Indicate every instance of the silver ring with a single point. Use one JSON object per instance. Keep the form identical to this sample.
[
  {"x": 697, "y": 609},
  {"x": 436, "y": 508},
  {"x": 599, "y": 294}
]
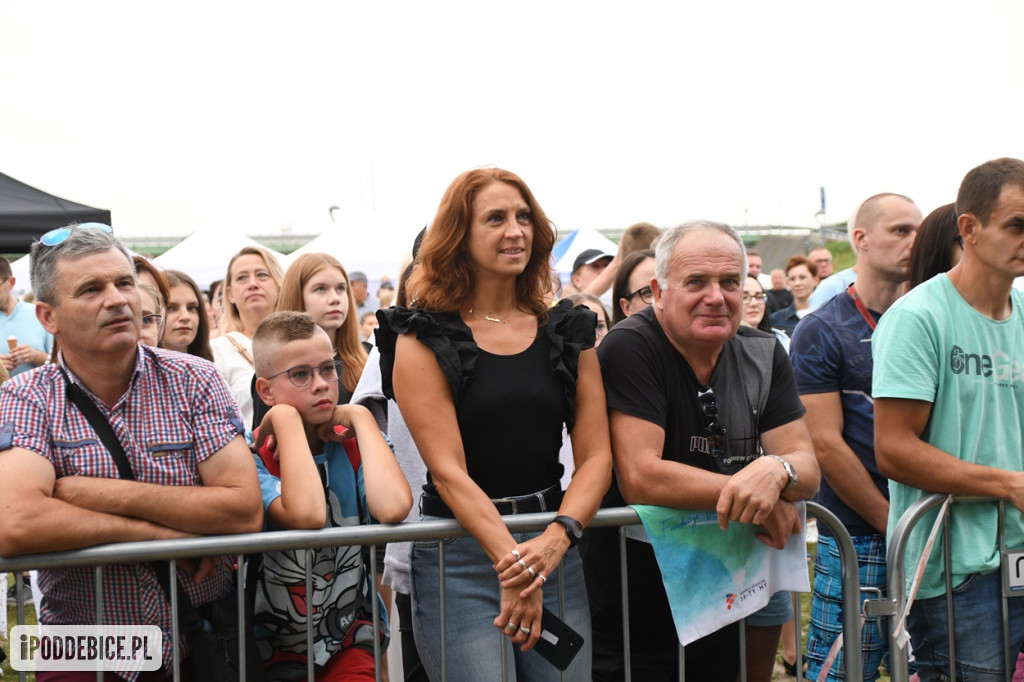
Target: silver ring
[
  {"x": 515, "y": 553},
  {"x": 525, "y": 631},
  {"x": 523, "y": 564},
  {"x": 543, "y": 578},
  {"x": 511, "y": 625},
  {"x": 533, "y": 574}
]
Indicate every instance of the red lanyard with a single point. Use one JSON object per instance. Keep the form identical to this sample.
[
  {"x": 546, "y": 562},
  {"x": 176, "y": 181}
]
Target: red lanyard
[{"x": 861, "y": 307}]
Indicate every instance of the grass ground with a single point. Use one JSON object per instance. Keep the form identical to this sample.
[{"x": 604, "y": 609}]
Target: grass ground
[{"x": 12, "y": 620}]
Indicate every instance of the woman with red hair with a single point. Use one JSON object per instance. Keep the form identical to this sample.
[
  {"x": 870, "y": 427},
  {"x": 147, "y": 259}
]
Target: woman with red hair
[{"x": 485, "y": 376}]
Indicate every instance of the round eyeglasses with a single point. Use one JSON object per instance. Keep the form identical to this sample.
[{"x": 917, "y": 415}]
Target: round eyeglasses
[{"x": 302, "y": 375}]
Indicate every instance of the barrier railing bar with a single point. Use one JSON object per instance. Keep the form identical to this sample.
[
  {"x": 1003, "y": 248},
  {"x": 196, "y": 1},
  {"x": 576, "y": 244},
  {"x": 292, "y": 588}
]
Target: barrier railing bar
[
  {"x": 175, "y": 624},
  {"x": 98, "y": 577},
  {"x": 743, "y": 650},
  {"x": 624, "y": 596},
  {"x": 561, "y": 607},
  {"x": 896, "y": 561},
  {"x": 947, "y": 562},
  {"x": 444, "y": 612},
  {"x": 850, "y": 579},
  {"x": 255, "y": 543},
  {"x": 375, "y": 611},
  {"x": 1001, "y": 530},
  {"x": 310, "y": 665},
  {"x": 243, "y": 633},
  {"x": 797, "y": 625}
]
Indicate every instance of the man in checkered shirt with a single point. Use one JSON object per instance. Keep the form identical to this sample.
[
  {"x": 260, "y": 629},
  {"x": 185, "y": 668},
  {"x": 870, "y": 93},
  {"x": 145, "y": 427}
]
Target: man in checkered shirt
[{"x": 172, "y": 413}]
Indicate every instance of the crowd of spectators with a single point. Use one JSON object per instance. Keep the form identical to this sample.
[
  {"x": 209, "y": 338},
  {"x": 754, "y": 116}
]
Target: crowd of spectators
[{"x": 674, "y": 372}]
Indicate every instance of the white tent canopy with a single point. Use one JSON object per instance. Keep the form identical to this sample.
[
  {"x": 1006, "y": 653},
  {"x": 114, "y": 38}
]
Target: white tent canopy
[
  {"x": 204, "y": 256},
  {"x": 365, "y": 243},
  {"x": 20, "y": 271}
]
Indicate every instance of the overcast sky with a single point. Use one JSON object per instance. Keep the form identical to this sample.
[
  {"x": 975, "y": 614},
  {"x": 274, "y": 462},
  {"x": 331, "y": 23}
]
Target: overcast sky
[{"x": 258, "y": 116}]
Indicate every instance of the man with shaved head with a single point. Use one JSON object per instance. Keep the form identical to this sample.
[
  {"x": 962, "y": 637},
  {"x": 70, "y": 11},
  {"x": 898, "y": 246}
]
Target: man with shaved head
[{"x": 885, "y": 210}]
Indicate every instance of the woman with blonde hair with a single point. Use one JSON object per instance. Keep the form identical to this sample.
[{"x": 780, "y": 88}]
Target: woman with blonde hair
[
  {"x": 485, "y": 375},
  {"x": 251, "y": 289}
]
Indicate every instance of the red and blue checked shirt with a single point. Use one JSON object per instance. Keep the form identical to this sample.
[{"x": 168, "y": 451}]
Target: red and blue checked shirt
[{"x": 176, "y": 412}]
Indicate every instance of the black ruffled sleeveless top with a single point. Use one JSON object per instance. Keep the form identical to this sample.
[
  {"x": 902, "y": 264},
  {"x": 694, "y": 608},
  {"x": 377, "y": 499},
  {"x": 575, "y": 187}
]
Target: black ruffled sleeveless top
[{"x": 510, "y": 408}]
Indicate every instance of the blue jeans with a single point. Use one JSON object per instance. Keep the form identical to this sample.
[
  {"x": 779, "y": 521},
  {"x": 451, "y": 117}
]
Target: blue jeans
[
  {"x": 474, "y": 646},
  {"x": 977, "y": 626}
]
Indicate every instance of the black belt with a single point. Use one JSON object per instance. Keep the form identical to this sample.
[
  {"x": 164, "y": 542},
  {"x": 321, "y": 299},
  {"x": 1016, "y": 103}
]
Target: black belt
[{"x": 431, "y": 503}]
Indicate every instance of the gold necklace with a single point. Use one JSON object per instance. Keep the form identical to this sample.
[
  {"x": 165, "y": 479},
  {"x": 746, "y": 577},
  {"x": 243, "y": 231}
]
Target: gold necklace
[{"x": 496, "y": 320}]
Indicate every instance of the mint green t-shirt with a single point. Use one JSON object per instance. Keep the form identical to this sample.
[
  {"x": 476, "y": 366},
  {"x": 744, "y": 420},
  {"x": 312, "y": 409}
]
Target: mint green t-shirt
[{"x": 933, "y": 346}]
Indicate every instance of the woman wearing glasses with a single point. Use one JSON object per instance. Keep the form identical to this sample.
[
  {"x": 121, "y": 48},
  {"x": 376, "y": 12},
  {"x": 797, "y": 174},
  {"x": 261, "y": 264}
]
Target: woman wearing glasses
[
  {"x": 485, "y": 375},
  {"x": 753, "y": 311},
  {"x": 152, "y": 315},
  {"x": 631, "y": 291},
  {"x": 251, "y": 288}
]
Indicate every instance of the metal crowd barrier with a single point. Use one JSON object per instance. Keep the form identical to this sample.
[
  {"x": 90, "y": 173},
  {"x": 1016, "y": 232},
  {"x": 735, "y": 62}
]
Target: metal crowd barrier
[
  {"x": 255, "y": 543},
  {"x": 897, "y": 571}
]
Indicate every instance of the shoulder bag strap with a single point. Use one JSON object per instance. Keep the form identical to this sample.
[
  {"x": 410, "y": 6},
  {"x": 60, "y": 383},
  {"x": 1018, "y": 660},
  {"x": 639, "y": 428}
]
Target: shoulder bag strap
[
  {"x": 187, "y": 613},
  {"x": 102, "y": 428},
  {"x": 242, "y": 350}
]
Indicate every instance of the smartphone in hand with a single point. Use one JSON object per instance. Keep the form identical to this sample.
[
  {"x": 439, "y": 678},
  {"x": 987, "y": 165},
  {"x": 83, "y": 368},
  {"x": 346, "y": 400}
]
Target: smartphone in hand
[{"x": 558, "y": 642}]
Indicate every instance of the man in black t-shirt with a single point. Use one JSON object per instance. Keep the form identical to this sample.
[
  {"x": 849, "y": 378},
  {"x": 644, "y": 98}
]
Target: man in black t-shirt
[{"x": 703, "y": 416}]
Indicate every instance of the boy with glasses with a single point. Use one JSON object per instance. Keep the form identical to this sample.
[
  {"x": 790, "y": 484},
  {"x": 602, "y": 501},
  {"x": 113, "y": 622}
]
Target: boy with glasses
[{"x": 313, "y": 476}]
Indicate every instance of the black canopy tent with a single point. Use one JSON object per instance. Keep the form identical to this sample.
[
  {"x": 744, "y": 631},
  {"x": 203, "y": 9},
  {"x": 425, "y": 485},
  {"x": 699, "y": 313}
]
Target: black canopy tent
[{"x": 27, "y": 212}]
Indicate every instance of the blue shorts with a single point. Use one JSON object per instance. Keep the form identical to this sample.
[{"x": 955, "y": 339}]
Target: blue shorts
[
  {"x": 776, "y": 612},
  {"x": 827, "y": 607}
]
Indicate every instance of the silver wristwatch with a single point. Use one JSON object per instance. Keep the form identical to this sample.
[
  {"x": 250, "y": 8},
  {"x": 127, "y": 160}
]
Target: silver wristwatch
[{"x": 790, "y": 471}]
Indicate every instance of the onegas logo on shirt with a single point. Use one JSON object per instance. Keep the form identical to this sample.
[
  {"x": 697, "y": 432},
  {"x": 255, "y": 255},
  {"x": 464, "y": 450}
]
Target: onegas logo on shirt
[{"x": 998, "y": 366}]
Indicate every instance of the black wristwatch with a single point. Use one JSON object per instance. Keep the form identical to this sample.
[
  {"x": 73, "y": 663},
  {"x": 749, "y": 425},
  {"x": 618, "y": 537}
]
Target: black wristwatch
[{"x": 573, "y": 528}]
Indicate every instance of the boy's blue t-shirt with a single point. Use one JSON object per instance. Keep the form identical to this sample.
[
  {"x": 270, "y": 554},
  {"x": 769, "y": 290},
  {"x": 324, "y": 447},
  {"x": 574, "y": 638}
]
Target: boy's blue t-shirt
[
  {"x": 341, "y": 589},
  {"x": 341, "y": 474}
]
